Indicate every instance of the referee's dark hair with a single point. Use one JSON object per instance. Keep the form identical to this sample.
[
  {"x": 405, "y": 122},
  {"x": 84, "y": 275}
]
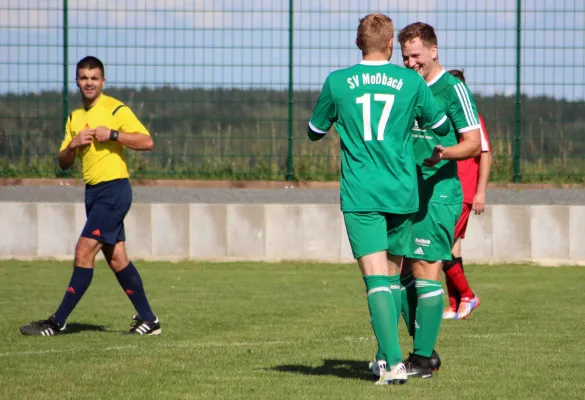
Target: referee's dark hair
[{"x": 90, "y": 62}]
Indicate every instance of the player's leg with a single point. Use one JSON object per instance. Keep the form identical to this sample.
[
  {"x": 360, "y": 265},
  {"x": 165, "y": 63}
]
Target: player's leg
[
  {"x": 398, "y": 233},
  {"x": 85, "y": 251},
  {"x": 394, "y": 264},
  {"x": 432, "y": 243},
  {"x": 409, "y": 307},
  {"x": 407, "y": 280},
  {"x": 119, "y": 195},
  {"x": 408, "y": 288},
  {"x": 429, "y": 312},
  {"x": 367, "y": 235},
  {"x": 451, "y": 269},
  {"x": 145, "y": 322},
  {"x": 408, "y": 296},
  {"x": 469, "y": 300},
  {"x": 376, "y": 270}
]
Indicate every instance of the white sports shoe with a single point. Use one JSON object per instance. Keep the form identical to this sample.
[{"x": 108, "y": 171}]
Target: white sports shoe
[
  {"x": 397, "y": 374},
  {"x": 449, "y": 313},
  {"x": 467, "y": 306},
  {"x": 374, "y": 368}
]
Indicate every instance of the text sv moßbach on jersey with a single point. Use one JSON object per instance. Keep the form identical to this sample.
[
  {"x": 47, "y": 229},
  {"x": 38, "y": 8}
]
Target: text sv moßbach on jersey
[{"x": 374, "y": 79}]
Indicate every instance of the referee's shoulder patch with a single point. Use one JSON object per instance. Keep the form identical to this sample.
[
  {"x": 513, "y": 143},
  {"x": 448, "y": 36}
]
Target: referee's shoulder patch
[{"x": 117, "y": 109}]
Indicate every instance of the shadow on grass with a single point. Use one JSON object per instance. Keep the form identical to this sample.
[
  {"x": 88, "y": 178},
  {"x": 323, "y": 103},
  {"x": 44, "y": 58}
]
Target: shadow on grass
[
  {"x": 346, "y": 369},
  {"x": 78, "y": 328}
]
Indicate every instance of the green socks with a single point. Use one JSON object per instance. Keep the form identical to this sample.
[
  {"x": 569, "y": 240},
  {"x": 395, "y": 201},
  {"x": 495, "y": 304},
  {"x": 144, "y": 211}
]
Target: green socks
[
  {"x": 396, "y": 295},
  {"x": 383, "y": 318},
  {"x": 409, "y": 302},
  {"x": 429, "y": 314}
]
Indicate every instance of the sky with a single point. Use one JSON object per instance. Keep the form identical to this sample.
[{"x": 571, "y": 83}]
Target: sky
[{"x": 243, "y": 44}]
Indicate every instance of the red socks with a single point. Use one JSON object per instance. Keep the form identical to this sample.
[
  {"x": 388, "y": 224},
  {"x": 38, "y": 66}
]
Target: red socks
[{"x": 457, "y": 284}]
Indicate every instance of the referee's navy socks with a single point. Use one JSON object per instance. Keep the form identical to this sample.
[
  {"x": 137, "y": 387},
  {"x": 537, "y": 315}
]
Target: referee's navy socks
[
  {"x": 130, "y": 280},
  {"x": 79, "y": 283}
]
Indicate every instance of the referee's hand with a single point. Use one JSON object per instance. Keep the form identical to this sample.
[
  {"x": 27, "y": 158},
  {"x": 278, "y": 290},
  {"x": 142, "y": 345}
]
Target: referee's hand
[
  {"x": 102, "y": 134},
  {"x": 83, "y": 138}
]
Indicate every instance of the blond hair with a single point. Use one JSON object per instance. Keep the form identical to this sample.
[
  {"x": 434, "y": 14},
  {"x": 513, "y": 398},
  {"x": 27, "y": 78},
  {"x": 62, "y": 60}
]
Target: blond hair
[{"x": 374, "y": 33}]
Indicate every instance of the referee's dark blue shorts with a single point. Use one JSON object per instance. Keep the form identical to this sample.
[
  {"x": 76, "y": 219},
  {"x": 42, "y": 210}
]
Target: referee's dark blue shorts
[{"x": 106, "y": 206}]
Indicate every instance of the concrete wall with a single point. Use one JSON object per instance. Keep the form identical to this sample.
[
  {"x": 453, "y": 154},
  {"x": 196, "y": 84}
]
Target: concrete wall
[{"x": 542, "y": 234}]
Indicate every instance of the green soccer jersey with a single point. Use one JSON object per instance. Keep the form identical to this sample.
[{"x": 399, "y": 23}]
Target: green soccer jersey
[
  {"x": 373, "y": 105},
  {"x": 440, "y": 183}
]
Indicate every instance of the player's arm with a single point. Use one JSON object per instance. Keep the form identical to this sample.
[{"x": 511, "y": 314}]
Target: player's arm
[
  {"x": 485, "y": 163},
  {"x": 131, "y": 133},
  {"x": 70, "y": 144},
  {"x": 469, "y": 147},
  {"x": 66, "y": 153},
  {"x": 315, "y": 134},
  {"x": 324, "y": 114},
  {"x": 136, "y": 140},
  {"x": 463, "y": 113},
  {"x": 427, "y": 112}
]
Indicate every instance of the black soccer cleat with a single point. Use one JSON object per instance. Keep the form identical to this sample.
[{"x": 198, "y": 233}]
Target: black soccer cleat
[
  {"x": 435, "y": 361},
  {"x": 135, "y": 318},
  {"x": 45, "y": 327},
  {"x": 140, "y": 327},
  {"x": 418, "y": 366}
]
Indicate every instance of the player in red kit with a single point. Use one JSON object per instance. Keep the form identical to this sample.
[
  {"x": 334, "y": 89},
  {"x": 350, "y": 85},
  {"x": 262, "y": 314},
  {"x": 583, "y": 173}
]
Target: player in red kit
[{"x": 473, "y": 174}]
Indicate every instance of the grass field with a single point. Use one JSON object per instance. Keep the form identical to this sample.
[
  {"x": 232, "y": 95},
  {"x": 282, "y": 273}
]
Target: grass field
[{"x": 283, "y": 331}]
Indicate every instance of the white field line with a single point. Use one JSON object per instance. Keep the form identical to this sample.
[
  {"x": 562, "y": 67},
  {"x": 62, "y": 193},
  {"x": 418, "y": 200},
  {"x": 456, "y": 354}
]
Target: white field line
[{"x": 200, "y": 345}]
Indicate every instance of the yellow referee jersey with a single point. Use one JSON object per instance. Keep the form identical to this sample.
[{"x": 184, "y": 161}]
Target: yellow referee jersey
[{"x": 102, "y": 162}]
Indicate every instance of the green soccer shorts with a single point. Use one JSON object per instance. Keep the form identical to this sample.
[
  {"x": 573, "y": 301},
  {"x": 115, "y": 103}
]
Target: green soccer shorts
[
  {"x": 433, "y": 230},
  {"x": 371, "y": 232}
]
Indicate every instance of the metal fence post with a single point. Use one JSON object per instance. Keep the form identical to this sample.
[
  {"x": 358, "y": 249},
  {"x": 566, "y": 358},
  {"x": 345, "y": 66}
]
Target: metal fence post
[
  {"x": 518, "y": 127},
  {"x": 65, "y": 94},
  {"x": 65, "y": 62},
  {"x": 289, "y": 164}
]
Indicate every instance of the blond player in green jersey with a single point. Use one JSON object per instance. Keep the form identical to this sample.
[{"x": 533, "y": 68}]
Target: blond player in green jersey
[{"x": 372, "y": 105}]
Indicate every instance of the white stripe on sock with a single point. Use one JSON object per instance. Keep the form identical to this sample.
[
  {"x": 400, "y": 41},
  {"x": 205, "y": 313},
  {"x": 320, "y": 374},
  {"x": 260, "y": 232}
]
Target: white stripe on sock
[
  {"x": 426, "y": 284},
  {"x": 379, "y": 289},
  {"x": 431, "y": 294}
]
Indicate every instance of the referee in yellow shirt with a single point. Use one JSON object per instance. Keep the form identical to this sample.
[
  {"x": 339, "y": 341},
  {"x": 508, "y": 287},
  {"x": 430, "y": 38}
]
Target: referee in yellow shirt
[{"x": 98, "y": 134}]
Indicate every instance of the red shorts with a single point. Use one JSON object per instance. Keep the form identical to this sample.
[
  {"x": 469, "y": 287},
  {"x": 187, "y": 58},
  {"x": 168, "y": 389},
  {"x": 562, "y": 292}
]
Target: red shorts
[{"x": 461, "y": 225}]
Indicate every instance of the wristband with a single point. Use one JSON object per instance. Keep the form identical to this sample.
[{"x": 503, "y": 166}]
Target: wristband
[{"x": 114, "y": 135}]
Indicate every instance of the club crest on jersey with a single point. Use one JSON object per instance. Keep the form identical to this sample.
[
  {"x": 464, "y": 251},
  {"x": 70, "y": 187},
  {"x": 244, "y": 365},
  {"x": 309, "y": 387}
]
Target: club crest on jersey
[{"x": 415, "y": 127}]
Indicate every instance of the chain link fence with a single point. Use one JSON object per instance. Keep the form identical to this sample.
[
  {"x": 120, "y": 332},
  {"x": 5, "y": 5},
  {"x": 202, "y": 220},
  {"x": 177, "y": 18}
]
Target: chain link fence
[{"x": 226, "y": 87}]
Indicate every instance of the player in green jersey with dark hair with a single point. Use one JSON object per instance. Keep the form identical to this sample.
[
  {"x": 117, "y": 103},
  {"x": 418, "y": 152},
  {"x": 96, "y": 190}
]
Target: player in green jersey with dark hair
[
  {"x": 440, "y": 194},
  {"x": 372, "y": 105}
]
